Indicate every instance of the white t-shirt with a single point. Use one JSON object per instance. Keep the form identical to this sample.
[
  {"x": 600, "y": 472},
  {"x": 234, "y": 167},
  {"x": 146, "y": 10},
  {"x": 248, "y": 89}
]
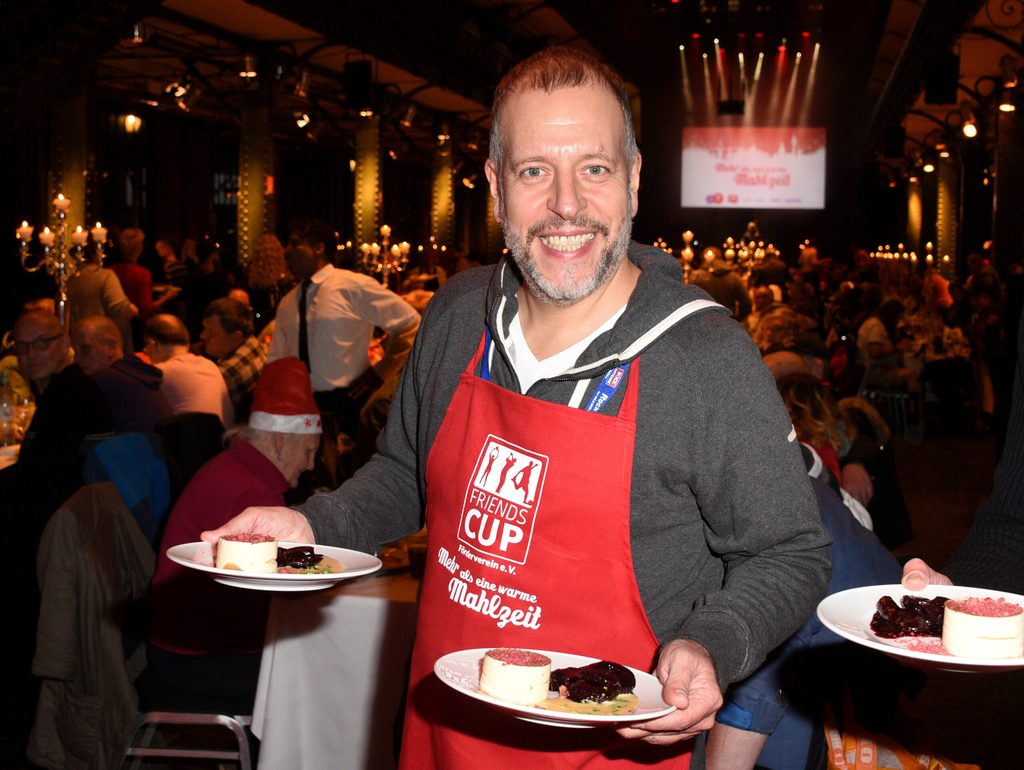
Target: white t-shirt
[
  {"x": 529, "y": 370},
  {"x": 194, "y": 384}
]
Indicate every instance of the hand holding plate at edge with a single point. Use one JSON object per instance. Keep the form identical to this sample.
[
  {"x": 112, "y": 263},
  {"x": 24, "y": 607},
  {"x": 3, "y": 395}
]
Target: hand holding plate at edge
[
  {"x": 278, "y": 522},
  {"x": 917, "y": 575},
  {"x": 687, "y": 672}
]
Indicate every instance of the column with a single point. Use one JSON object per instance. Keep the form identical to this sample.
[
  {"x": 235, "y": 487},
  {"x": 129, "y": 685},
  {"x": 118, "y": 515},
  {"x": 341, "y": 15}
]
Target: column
[
  {"x": 947, "y": 220},
  {"x": 442, "y": 199},
  {"x": 256, "y": 204},
  {"x": 1008, "y": 198},
  {"x": 368, "y": 194},
  {"x": 69, "y": 154}
]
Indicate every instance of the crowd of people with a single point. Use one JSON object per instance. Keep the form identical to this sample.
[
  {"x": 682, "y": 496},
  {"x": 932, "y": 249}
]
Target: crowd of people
[{"x": 580, "y": 342}]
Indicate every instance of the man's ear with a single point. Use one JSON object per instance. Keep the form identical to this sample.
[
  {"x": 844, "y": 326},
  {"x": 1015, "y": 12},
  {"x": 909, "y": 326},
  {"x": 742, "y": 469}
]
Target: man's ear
[
  {"x": 634, "y": 182},
  {"x": 495, "y": 184}
]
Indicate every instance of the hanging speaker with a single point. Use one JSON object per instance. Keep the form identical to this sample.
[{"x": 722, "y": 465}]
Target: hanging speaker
[
  {"x": 941, "y": 75},
  {"x": 358, "y": 80}
]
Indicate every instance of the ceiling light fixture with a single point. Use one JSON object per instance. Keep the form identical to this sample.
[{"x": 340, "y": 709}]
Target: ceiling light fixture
[
  {"x": 407, "y": 116},
  {"x": 1009, "y": 66},
  {"x": 136, "y": 35},
  {"x": 248, "y": 70},
  {"x": 969, "y": 125},
  {"x": 302, "y": 119}
]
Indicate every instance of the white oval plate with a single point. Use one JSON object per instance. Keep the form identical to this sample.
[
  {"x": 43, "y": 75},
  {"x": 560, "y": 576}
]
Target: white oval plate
[
  {"x": 849, "y": 612},
  {"x": 461, "y": 671},
  {"x": 200, "y": 556}
]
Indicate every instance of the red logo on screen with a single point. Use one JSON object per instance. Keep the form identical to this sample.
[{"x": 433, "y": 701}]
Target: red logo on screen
[
  {"x": 715, "y": 198},
  {"x": 734, "y": 198}
]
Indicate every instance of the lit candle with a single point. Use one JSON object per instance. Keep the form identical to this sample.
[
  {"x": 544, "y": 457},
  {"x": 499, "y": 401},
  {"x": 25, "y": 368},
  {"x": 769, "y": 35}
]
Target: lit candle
[
  {"x": 99, "y": 233},
  {"x": 46, "y": 237},
  {"x": 79, "y": 237},
  {"x": 396, "y": 251},
  {"x": 375, "y": 249},
  {"x": 24, "y": 232},
  {"x": 61, "y": 203},
  {"x": 385, "y": 231}
]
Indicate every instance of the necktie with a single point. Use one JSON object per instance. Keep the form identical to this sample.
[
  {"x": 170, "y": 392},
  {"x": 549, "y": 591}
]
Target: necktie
[{"x": 303, "y": 332}]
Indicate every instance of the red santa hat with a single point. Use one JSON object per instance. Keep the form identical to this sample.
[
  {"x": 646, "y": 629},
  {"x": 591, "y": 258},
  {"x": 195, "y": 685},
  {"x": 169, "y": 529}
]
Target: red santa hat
[{"x": 283, "y": 399}]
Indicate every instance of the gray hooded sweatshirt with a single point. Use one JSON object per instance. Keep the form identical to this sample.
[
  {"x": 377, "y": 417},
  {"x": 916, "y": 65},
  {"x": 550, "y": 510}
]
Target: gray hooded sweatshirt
[{"x": 727, "y": 543}]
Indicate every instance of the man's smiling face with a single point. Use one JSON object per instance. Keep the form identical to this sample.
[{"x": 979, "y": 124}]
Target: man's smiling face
[{"x": 566, "y": 194}]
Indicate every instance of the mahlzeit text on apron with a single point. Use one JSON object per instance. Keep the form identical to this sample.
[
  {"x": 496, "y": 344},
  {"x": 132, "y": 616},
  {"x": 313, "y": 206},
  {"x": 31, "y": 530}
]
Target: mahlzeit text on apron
[
  {"x": 492, "y": 599},
  {"x": 502, "y": 498}
]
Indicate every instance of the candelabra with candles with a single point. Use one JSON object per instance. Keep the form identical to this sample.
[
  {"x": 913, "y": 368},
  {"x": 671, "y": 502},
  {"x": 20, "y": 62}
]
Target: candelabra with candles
[
  {"x": 385, "y": 258},
  {"x": 60, "y": 258}
]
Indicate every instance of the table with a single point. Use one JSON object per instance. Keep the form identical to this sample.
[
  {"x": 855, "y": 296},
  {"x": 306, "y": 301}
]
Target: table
[{"x": 333, "y": 674}]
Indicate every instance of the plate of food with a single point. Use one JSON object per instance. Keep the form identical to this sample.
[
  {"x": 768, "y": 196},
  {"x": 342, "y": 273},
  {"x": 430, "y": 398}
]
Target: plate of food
[
  {"x": 554, "y": 688},
  {"x": 954, "y": 628},
  {"x": 264, "y": 564}
]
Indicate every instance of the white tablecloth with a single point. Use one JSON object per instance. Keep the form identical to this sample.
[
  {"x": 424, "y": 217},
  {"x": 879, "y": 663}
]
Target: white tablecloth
[
  {"x": 9, "y": 455},
  {"x": 333, "y": 673}
]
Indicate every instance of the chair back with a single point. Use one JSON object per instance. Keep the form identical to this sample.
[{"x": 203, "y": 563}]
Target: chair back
[
  {"x": 189, "y": 440},
  {"x": 135, "y": 463}
]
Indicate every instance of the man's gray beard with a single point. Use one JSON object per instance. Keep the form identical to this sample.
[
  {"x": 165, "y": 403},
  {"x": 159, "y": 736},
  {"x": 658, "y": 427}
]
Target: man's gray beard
[{"x": 574, "y": 287}]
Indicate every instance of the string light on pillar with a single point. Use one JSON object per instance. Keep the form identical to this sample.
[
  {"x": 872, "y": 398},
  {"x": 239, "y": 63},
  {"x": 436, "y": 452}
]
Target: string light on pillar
[{"x": 60, "y": 253}]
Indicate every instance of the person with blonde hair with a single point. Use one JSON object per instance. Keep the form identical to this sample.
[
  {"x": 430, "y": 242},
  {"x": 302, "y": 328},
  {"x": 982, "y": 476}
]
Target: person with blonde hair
[{"x": 267, "y": 278}]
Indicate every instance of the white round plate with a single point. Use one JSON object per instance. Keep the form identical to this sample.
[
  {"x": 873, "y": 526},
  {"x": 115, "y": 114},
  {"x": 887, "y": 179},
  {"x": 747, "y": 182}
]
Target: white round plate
[
  {"x": 848, "y": 613},
  {"x": 461, "y": 671},
  {"x": 200, "y": 556}
]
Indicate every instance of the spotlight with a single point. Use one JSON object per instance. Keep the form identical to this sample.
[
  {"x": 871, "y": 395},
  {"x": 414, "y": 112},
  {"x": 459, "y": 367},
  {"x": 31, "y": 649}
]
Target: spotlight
[
  {"x": 469, "y": 181},
  {"x": 187, "y": 102},
  {"x": 443, "y": 134},
  {"x": 184, "y": 93},
  {"x": 178, "y": 88},
  {"x": 928, "y": 167},
  {"x": 248, "y": 70},
  {"x": 408, "y": 116},
  {"x": 302, "y": 84},
  {"x": 302, "y": 119}
]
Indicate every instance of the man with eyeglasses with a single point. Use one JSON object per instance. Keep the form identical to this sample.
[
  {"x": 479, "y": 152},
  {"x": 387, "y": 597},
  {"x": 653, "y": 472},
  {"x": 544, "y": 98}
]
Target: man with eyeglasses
[{"x": 70, "y": 408}]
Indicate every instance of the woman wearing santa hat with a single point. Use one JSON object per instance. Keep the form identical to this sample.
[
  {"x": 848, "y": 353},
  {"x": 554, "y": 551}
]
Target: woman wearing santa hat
[{"x": 206, "y": 638}]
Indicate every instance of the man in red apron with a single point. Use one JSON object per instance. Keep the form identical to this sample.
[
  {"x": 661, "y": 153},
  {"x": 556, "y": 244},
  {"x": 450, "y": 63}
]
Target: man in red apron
[{"x": 604, "y": 464}]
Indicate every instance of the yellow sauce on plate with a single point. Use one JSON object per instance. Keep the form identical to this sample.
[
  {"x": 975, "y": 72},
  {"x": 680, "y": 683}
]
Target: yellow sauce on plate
[{"x": 623, "y": 704}]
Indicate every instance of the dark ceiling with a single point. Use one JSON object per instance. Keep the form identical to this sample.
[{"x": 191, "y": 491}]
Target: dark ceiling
[{"x": 443, "y": 57}]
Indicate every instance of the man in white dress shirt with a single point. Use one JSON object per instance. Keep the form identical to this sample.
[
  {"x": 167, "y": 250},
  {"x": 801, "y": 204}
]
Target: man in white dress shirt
[{"x": 342, "y": 309}]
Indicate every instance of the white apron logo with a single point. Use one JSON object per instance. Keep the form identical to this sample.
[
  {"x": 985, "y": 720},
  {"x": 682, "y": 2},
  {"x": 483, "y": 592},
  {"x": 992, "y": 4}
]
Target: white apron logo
[{"x": 502, "y": 498}]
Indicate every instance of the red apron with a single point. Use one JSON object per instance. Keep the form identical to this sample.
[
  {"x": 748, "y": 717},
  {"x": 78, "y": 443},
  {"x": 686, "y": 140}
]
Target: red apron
[{"x": 528, "y": 546}]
